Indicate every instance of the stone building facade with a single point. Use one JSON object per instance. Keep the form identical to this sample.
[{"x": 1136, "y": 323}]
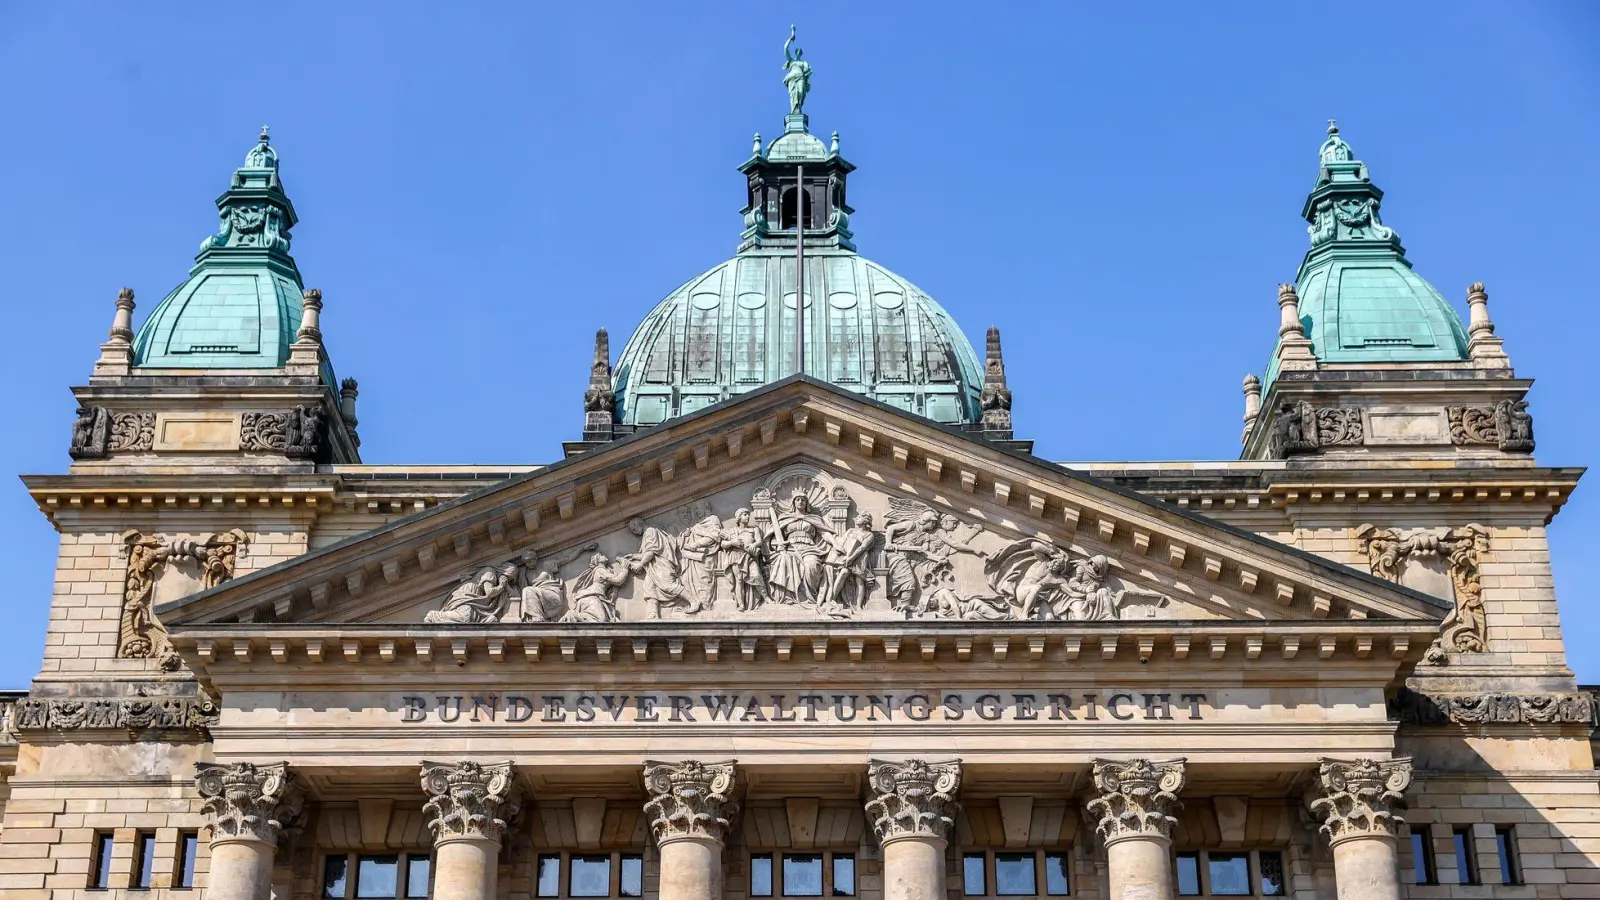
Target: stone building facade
[{"x": 836, "y": 633}]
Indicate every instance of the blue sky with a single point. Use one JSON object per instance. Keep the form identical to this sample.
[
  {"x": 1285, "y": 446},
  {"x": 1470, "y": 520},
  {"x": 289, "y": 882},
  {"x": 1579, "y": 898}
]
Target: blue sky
[{"x": 1116, "y": 187}]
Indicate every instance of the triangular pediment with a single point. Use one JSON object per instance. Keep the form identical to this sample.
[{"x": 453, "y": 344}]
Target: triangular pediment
[{"x": 801, "y": 502}]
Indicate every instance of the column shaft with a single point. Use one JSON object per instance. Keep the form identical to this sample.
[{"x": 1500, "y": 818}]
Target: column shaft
[
  {"x": 1367, "y": 869},
  {"x": 1134, "y": 810},
  {"x": 691, "y": 869},
  {"x": 240, "y": 870},
  {"x": 465, "y": 869},
  {"x": 469, "y": 805},
  {"x": 691, "y": 807},
  {"x": 1359, "y": 802},
  {"x": 913, "y": 869},
  {"x": 247, "y": 806},
  {"x": 1140, "y": 868},
  {"x": 912, "y": 806}
]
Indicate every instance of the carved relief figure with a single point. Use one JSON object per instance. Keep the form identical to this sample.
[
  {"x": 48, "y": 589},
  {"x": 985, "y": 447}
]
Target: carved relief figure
[
  {"x": 699, "y": 547},
  {"x": 594, "y": 598},
  {"x": 847, "y": 565},
  {"x": 90, "y": 433},
  {"x": 741, "y": 559},
  {"x": 543, "y": 593},
  {"x": 481, "y": 598},
  {"x": 798, "y": 550},
  {"x": 659, "y": 569}
]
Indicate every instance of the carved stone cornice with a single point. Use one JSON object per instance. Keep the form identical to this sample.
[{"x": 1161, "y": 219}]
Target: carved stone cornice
[
  {"x": 469, "y": 800},
  {"x": 1412, "y": 707},
  {"x": 690, "y": 799},
  {"x": 131, "y": 714},
  {"x": 1137, "y": 798},
  {"x": 1361, "y": 798},
  {"x": 913, "y": 798},
  {"x": 247, "y": 801},
  {"x": 1465, "y": 628}
]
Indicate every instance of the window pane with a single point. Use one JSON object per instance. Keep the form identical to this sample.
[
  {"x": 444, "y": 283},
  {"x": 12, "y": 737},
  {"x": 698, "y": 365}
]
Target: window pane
[
  {"x": 844, "y": 875},
  {"x": 761, "y": 875},
  {"x": 1229, "y": 873},
  {"x": 102, "y": 861},
  {"x": 591, "y": 876},
  {"x": 1189, "y": 874},
  {"x": 1466, "y": 863},
  {"x": 1272, "y": 880},
  {"x": 1508, "y": 862},
  {"x": 144, "y": 861},
  {"x": 1421, "y": 858},
  {"x": 1013, "y": 875},
  {"x": 1056, "y": 883},
  {"x": 802, "y": 874},
  {"x": 632, "y": 875},
  {"x": 972, "y": 880},
  {"x": 417, "y": 871},
  {"x": 377, "y": 876},
  {"x": 549, "y": 875},
  {"x": 188, "y": 845},
  {"x": 333, "y": 877}
]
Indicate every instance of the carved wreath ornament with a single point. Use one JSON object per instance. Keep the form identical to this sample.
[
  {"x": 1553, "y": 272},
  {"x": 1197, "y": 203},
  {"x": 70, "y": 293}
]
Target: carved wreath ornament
[
  {"x": 690, "y": 799},
  {"x": 1361, "y": 797},
  {"x": 1137, "y": 797},
  {"x": 469, "y": 800},
  {"x": 248, "y": 801}
]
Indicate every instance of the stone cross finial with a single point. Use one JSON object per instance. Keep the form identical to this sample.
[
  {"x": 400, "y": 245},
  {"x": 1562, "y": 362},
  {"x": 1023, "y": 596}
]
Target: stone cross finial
[
  {"x": 600, "y": 401},
  {"x": 1483, "y": 347},
  {"x": 1252, "y": 406},
  {"x": 1294, "y": 348},
  {"x": 1361, "y": 797},
  {"x": 246, "y": 801},
  {"x": 122, "y": 324},
  {"x": 913, "y": 798},
  {"x": 469, "y": 800},
  {"x": 310, "y": 317},
  {"x": 690, "y": 799},
  {"x": 1137, "y": 797},
  {"x": 995, "y": 398}
]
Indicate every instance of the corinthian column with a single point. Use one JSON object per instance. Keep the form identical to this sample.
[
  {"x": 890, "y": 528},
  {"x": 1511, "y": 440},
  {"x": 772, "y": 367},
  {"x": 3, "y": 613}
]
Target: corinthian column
[
  {"x": 912, "y": 807},
  {"x": 1134, "y": 809},
  {"x": 468, "y": 806},
  {"x": 1359, "y": 802},
  {"x": 690, "y": 806},
  {"x": 246, "y": 807}
]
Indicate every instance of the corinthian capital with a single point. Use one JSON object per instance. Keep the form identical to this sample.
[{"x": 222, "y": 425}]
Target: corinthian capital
[
  {"x": 690, "y": 799},
  {"x": 1137, "y": 797},
  {"x": 913, "y": 798},
  {"x": 469, "y": 800},
  {"x": 245, "y": 801},
  {"x": 1361, "y": 797}
]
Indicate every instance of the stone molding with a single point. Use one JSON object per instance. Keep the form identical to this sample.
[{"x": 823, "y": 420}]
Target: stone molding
[
  {"x": 469, "y": 800},
  {"x": 1361, "y": 798},
  {"x": 247, "y": 801},
  {"x": 690, "y": 799},
  {"x": 1417, "y": 708},
  {"x": 140, "y": 634},
  {"x": 1138, "y": 798},
  {"x": 133, "y": 714},
  {"x": 913, "y": 798},
  {"x": 1465, "y": 628},
  {"x": 1505, "y": 425}
]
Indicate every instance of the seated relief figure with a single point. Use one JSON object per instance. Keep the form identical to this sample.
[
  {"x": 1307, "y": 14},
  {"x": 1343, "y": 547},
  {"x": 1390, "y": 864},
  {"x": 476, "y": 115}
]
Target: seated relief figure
[
  {"x": 480, "y": 598},
  {"x": 798, "y": 551}
]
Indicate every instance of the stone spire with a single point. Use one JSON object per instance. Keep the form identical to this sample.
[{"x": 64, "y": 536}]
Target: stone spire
[
  {"x": 996, "y": 397},
  {"x": 116, "y": 354},
  {"x": 1294, "y": 348},
  {"x": 600, "y": 401},
  {"x": 1486, "y": 350}
]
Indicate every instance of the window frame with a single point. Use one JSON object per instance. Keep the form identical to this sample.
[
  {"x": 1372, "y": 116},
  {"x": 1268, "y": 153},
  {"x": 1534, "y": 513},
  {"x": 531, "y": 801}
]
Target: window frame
[
  {"x": 1466, "y": 850},
  {"x": 564, "y": 873},
  {"x": 184, "y": 863},
  {"x": 1505, "y": 846},
  {"x": 100, "y": 853},
  {"x": 1202, "y": 858},
  {"x": 829, "y": 870},
  {"x": 352, "y": 876},
  {"x": 1422, "y": 839},
  {"x": 143, "y": 874},
  {"x": 1041, "y": 879}
]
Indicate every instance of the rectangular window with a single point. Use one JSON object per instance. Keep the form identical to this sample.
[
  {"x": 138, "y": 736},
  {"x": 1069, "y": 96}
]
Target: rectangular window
[
  {"x": 1056, "y": 883},
  {"x": 1466, "y": 858},
  {"x": 1423, "y": 870},
  {"x": 973, "y": 882},
  {"x": 335, "y": 875},
  {"x": 632, "y": 883},
  {"x": 802, "y": 874},
  {"x": 188, "y": 847},
  {"x": 377, "y": 877},
  {"x": 1228, "y": 874},
  {"x": 100, "y": 864},
  {"x": 549, "y": 875},
  {"x": 590, "y": 876},
  {"x": 144, "y": 860},
  {"x": 1273, "y": 884},
  {"x": 761, "y": 875},
  {"x": 844, "y": 875},
  {"x": 1505, "y": 843},
  {"x": 418, "y": 871},
  {"x": 1189, "y": 874},
  {"x": 1014, "y": 875}
]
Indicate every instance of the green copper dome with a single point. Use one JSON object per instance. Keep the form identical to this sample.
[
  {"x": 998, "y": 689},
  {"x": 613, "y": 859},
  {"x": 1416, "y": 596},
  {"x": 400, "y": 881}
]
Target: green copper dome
[
  {"x": 240, "y": 307},
  {"x": 1360, "y": 300}
]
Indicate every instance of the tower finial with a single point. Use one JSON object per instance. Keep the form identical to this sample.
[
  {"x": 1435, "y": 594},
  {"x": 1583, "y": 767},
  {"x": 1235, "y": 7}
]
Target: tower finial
[
  {"x": 1483, "y": 346},
  {"x": 1252, "y": 406},
  {"x": 600, "y": 401},
  {"x": 996, "y": 396}
]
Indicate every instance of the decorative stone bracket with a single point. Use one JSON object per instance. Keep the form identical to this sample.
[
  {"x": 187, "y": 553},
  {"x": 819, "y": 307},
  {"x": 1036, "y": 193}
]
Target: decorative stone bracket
[
  {"x": 245, "y": 801},
  {"x": 1464, "y": 629},
  {"x": 1138, "y": 797},
  {"x": 1361, "y": 797},
  {"x": 690, "y": 799},
  {"x": 469, "y": 800},
  {"x": 140, "y": 635},
  {"x": 914, "y": 798}
]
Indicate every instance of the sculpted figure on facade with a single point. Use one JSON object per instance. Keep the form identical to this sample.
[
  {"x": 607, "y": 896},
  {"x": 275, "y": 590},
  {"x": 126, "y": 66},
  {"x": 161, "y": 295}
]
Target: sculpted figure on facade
[
  {"x": 1506, "y": 425},
  {"x": 1042, "y": 581},
  {"x": 690, "y": 799},
  {"x": 658, "y": 569},
  {"x": 297, "y": 433},
  {"x": 1361, "y": 797},
  {"x": 743, "y": 551},
  {"x": 90, "y": 433},
  {"x": 913, "y": 798},
  {"x": 594, "y": 597},
  {"x": 796, "y": 74},
  {"x": 248, "y": 801},
  {"x": 1138, "y": 797},
  {"x": 847, "y": 568},
  {"x": 140, "y": 634},
  {"x": 1465, "y": 627},
  {"x": 481, "y": 597},
  {"x": 798, "y": 550},
  {"x": 469, "y": 800}
]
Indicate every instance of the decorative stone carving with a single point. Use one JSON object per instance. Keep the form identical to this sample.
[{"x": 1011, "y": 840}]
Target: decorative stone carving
[
  {"x": 1417, "y": 708},
  {"x": 1506, "y": 425},
  {"x": 484, "y": 596},
  {"x": 1041, "y": 581},
  {"x": 996, "y": 397},
  {"x": 132, "y": 432},
  {"x": 91, "y": 432},
  {"x": 133, "y": 714},
  {"x": 600, "y": 401},
  {"x": 247, "y": 801},
  {"x": 1300, "y": 428},
  {"x": 141, "y": 635},
  {"x": 1361, "y": 797},
  {"x": 1138, "y": 797},
  {"x": 1464, "y": 629},
  {"x": 469, "y": 800},
  {"x": 690, "y": 799},
  {"x": 913, "y": 798},
  {"x": 297, "y": 433}
]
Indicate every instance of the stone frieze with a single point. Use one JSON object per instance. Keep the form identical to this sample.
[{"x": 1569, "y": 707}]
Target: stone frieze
[
  {"x": 1412, "y": 707},
  {"x": 133, "y": 714}
]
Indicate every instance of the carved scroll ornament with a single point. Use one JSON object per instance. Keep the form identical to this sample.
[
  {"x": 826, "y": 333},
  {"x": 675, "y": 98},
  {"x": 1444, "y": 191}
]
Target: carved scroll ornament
[
  {"x": 1465, "y": 628},
  {"x": 913, "y": 798},
  {"x": 469, "y": 800},
  {"x": 246, "y": 801},
  {"x": 690, "y": 799},
  {"x": 297, "y": 433},
  {"x": 1301, "y": 428},
  {"x": 1361, "y": 797},
  {"x": 1506, "y": 425},
  {"x": 141, "y": 635},
  {"x": 98, "y": 432},
  {"x": 1138, "y": 797}
]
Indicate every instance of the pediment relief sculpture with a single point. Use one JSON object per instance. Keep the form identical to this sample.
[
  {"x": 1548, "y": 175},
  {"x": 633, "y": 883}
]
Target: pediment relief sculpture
[
  {"x": 1388, "y": 551},
  {"x": 798, "y": 545},
  {"x": 211, "y": 562}
]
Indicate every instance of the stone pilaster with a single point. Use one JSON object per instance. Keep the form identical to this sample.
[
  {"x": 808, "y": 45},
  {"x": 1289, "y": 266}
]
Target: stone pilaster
[
  {"x": 468, "y": 806},
  {"x": 1134, "y": 816},
  {"x": 246, "y": 806},
  {"x": 690, "y": 808},
  {"x": 1359, "y": 803},
  {"x": 912, "y": 807}
]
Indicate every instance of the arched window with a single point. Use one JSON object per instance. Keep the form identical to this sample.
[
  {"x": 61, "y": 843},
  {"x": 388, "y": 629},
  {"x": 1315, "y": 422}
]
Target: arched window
[{"x": 788, "y": 211}]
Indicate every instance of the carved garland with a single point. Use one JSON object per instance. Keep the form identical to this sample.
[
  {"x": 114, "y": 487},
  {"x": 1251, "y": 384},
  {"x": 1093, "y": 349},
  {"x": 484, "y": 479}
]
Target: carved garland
[
  {"x": 1464, "y": 629},
  {"x": 914, "y": 798},
  {"x": 1493, "y": 708},
  {"x": 141, "y": 635},
  {"x": 1137, "y": 797},
  {"x": 1361, "y": 797},
  {"x": 690, "y": 799}
]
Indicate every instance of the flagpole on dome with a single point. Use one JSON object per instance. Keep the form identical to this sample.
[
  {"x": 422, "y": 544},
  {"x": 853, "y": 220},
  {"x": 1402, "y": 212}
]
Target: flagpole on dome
[{"x": 797, "y": 80}]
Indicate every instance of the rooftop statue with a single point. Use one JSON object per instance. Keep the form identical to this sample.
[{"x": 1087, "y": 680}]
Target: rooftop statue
[{"x": 796, "y": 75}]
